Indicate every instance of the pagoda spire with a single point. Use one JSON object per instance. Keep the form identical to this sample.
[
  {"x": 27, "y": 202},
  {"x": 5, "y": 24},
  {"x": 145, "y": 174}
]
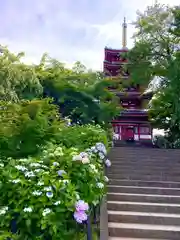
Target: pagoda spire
[{"x": 124, "y": 33}]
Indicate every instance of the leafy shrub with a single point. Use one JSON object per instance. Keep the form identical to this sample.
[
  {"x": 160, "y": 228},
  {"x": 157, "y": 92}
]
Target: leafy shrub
[
  {"x": 176, "y": 144},
  {"x": 48, "y": 195},
  {"x": 160, "y": 141},
  {"x": 26, "y": 126},
  {"x": 164, "y": 142},
  {"x": 81, "y": 136}
]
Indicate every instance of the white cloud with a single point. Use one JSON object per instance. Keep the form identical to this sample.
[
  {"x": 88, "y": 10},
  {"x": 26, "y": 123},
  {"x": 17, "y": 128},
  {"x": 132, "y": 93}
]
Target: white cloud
[{"x": 70, "y": 38}]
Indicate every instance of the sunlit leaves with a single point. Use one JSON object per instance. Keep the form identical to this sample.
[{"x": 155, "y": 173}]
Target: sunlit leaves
[{"x": 17, "y": 80}]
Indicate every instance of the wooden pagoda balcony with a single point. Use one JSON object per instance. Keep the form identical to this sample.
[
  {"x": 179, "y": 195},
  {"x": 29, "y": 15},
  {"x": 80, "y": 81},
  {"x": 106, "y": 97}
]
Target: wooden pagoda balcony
[
  {"x": 128, "y": 94},
  {"x": 134, "y": 112},
  {"x": 132, "y": 94}
]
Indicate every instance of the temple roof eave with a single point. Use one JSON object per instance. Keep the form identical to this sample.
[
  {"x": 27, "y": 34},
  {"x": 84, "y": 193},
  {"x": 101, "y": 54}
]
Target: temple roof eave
[
  {"x": 115, "y": 63},
  {"x": 134, "y": 111},
  {"x": 115, "y": 50},
  {"x": 131, "y": 95}
]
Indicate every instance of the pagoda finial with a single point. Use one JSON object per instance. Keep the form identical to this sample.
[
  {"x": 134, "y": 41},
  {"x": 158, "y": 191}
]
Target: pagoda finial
[{"x": 124, "y": 33}]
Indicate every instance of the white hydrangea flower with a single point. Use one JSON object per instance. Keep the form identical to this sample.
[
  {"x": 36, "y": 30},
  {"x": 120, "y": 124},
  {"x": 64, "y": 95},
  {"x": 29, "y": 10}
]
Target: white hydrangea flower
[
  {"x": 40, "y": 183},
  {"x": 46, "y": 211},
  {"x": 29, "y": 174},
  {"x": 35, "y": 165},
  {"x": 16, "y": 181},
  {"x": 1, "y": 164},
  {"x": 77, "y": 158},
  {"x": 3, "y": 210},
  {"x": 37, "y": 193},
  {"x": 100, "y": 185},
  {"x": 38, "y": 170},
  {"x": 85, "y": 160},
  {"x": 28, "y": 209},
  {"x": 44, "y": 166},
  {"x": 21, "y": 168},
  {"x": 48, "y": 189},
  {"x": 57, "y": 203}
]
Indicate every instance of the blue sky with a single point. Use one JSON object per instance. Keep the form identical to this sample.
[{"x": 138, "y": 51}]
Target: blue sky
[{"x": 68, "y": 30}]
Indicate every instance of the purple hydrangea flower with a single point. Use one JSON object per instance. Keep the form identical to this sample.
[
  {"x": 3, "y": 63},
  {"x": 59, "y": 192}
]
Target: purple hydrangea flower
[
  {"x": 80, "y": 216},
  {"x": 82, "y": 206},
  {"x": 55, "y": 164},
  {"x": 61, "y": 172},
  {"x": 108, "y": 163},
  {"x": 49, "y": 194},
  {"x": 83, "y": 154}
]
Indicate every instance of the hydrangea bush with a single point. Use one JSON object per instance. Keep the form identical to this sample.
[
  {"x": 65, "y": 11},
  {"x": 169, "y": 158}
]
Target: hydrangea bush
[
  {"x": 82, "y": 136},
  {"x": 50, "y": 196}
]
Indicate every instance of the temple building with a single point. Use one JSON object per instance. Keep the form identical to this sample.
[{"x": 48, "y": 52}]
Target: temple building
[{"x": 132, "y": 123}]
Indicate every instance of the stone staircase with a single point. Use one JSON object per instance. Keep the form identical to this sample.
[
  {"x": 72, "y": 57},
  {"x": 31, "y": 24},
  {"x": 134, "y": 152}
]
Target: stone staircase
[{"x": 143, "y": 199}]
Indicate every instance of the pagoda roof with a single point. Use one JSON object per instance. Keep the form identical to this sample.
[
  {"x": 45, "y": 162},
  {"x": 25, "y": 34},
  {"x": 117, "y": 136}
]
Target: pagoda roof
[
  {"x": 133, "y": 94},
  {"x": 115, "y": 63},
  {"x": 115, "y": 50}
]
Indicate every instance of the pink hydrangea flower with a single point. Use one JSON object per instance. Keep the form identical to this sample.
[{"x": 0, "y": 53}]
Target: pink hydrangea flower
[
  {"x": 80, "y": 216},
  {"x": 81, "y": 206}
]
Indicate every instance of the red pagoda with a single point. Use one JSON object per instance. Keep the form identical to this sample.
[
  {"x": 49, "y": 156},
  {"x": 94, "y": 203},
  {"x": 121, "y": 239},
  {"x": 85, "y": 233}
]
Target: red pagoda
[{"x": 132, "y": 124}]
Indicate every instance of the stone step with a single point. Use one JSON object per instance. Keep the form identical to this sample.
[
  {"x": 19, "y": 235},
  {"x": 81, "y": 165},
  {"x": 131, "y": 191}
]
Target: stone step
[
  {"x": 161, "y": 184},
  {"x": 143, "y": 207},
  {"x": 136, "y": 155},
  {"x": 152, "y": 151},
  {"x": 144, "y": 177},
  {"x": 124, "y": 238},
  {"x": 144, "y": 159},
  {"x": 144, "y": 217},
  {"x": 127, "y": 155},
  {"x": 143, "y": 199},
  {"x": 144, "y": 190},
  {"x": 144, "y": 230},
  {"x": 153, "y": 198},
  {"x": 152, "y": 166},
  {"x": 124, "y": 162},
  {"x": 144, "y": 172}
]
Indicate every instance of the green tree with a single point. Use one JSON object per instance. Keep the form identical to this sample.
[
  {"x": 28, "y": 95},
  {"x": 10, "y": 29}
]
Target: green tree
[
  {"x": 17, "y": 80},
  {"x": 155, "y": 44},
  {"x": 155, "y": 56},
  {"x": 26, "y": 126},
  {"x": 81, "y": 94}
]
